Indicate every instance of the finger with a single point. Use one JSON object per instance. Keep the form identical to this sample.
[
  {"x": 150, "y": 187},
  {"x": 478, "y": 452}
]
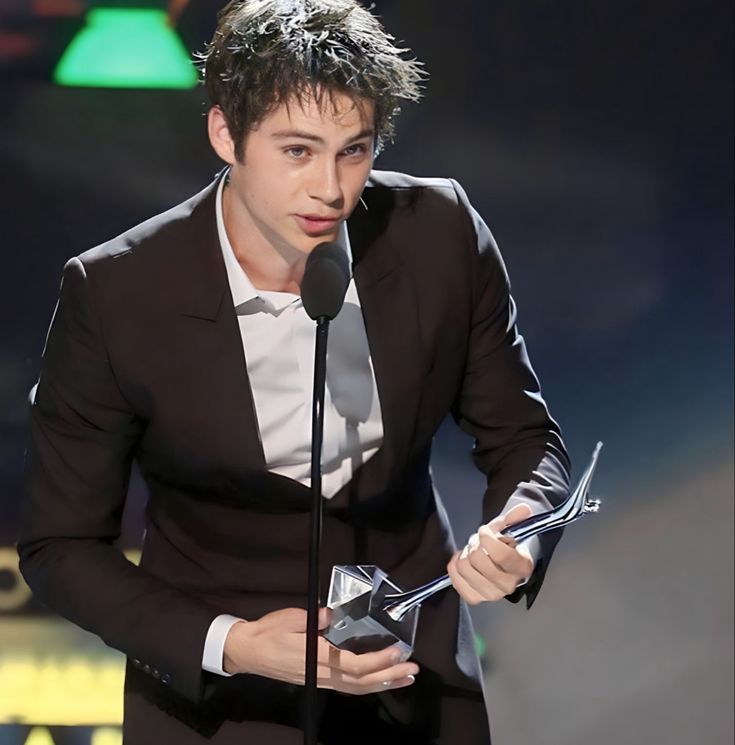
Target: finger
[
  {"x": 359, "y": 689},
  {"x": 472, "y": 542},
  {"x": 519, "y": 512},
  {"x": 385, "y": 678},
  {"x": 511, "y": 517},
  {"x": 395, "y": 676},
  {"x": 484, "y": 577},
  {"x": 402, "y": 683},
  {"x": 504, "y": 556},
  {"x": 466, "y": 592},
  {"x": 507, "y": 540},
  {"x": 358, "y": 665},
  {"x": 325, "y": 618},
  {"x": 514, "y": 569},
  {"x": 475, "y": 551},
  {"x": 481, "y": 573},
  {"x": 346, "y": 671}
]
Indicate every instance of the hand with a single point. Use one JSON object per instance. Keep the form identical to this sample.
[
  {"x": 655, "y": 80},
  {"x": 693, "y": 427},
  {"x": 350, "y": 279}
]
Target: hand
[
  {"x": 491, "y": 566},
  {"x": 274, "y": 646}
]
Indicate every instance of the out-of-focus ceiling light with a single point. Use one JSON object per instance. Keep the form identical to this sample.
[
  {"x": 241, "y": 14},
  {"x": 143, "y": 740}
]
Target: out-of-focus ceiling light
[{"x": 126, "y": 48}]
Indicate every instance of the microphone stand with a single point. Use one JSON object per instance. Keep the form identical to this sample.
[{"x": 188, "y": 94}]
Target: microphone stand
[
  {"x": 312, "y": 613},
  {"x": 323, "y": 288}
]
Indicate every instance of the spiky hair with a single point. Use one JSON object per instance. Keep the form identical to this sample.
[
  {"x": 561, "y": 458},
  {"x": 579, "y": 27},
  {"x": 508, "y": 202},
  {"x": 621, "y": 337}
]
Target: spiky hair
[{"x": 268, "y": 52}]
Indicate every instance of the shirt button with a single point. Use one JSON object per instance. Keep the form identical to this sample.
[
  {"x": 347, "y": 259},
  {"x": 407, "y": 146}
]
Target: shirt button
[
  {"x": 165, "y": 679},
  {"x": 136, "y": 663},
  {"x": 146, "y": 668},
  {"x": 156, "y": 674}
]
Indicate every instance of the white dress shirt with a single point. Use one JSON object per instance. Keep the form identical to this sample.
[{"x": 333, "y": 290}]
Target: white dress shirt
[{"x": 278, "y": 339}]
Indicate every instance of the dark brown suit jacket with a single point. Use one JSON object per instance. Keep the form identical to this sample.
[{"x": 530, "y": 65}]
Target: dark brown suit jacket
[{"x": 144, "y": 360}]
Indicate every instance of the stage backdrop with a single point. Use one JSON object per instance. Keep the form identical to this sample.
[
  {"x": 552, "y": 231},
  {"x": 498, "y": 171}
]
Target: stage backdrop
[{"x": 596, "y": 140}]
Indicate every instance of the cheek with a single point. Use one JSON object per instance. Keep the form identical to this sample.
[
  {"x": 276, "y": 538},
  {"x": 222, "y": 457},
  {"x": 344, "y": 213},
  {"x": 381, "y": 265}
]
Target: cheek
[
  {"x": 264, "y": 195},
  {"x": 277, "y": 188}
]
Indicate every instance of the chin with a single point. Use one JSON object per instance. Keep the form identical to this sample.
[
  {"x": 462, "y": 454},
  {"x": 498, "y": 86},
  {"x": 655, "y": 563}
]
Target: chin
[{"x": 316, "y": 241}]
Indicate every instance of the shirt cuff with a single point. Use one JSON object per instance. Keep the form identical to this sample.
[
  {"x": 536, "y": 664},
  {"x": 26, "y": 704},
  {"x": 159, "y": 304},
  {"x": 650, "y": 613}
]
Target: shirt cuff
[{"x": 214, "y": 644}]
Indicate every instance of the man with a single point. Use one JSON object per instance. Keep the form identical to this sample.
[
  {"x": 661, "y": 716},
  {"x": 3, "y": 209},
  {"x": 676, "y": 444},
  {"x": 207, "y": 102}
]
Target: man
[{"x": 183, "y": 344}]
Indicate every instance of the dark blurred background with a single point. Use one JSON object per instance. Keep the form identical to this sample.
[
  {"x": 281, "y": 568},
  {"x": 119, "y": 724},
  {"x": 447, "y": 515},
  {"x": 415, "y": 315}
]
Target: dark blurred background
[{"x": 596, "y": 138}]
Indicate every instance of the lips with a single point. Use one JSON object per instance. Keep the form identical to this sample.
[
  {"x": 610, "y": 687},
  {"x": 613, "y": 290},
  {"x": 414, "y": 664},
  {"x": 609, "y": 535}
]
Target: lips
[{"x": 316, "y": 224}]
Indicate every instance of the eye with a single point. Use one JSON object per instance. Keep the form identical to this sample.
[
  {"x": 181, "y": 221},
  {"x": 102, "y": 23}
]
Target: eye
[
  {"x": 296, "y": 151},
  {"x": 357, "y": 149}
]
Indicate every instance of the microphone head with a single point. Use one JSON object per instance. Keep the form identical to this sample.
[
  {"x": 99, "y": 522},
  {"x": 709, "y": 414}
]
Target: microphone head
[{"x": 326, "y": 277}]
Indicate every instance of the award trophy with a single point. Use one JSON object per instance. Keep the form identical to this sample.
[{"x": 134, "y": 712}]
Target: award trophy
[{"x": 371, "y": 612}]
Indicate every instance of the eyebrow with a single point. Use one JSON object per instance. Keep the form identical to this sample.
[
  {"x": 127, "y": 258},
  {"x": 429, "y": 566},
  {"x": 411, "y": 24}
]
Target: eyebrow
[{"x": 284, "y": 134}]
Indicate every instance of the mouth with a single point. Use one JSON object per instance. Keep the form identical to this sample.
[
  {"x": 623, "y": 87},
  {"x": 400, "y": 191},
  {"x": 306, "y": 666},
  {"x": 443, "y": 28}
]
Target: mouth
[{"x": 316, "y": 224}]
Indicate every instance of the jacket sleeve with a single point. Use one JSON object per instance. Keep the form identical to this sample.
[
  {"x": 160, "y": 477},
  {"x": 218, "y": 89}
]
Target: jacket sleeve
[
  {"x": 517, "y": 445},
  {"x": 83, "y": 435}
]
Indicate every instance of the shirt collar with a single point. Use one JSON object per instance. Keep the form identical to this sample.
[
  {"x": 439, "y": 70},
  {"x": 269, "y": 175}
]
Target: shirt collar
[{"x": 242, "y": 289}]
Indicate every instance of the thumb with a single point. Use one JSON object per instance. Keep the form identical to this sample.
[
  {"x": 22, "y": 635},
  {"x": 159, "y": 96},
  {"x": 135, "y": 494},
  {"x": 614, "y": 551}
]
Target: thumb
[{"x": 513, "y": 516}]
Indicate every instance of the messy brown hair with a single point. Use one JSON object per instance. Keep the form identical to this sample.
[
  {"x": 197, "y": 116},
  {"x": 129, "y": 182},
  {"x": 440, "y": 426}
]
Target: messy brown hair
[{"x": 268, "y": 52}]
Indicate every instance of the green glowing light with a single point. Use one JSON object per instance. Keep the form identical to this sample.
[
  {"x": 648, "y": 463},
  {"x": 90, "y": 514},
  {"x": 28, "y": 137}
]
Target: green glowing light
[
  {"x": 480, "y": 646},
  {"x": 126, "y": 48}
]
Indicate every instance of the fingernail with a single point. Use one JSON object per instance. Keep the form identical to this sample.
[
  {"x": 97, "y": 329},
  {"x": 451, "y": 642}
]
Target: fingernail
[{"x": 401, "y": 682}]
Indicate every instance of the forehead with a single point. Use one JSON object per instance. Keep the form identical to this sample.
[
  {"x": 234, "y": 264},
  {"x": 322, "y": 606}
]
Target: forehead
[{"x": 331, "y": 112}]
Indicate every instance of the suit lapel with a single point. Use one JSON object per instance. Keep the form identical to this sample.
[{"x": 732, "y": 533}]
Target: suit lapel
[
  {"x": 211, "y": 324},
  {"x": 390, "y": 310}
]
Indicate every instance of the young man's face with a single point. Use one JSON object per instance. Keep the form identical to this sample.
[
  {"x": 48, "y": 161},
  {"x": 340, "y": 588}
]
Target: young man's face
[{"x": 302, "y": 173}]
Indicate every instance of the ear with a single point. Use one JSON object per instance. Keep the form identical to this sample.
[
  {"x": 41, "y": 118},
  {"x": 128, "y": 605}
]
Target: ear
[{"x": 219, "y": 135}]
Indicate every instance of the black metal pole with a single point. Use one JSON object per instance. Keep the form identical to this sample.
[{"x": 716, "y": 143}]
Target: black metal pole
[{"x": 312, "y": 611}]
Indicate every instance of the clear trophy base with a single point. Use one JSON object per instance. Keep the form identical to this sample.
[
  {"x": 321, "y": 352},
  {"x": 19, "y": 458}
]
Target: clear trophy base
[{"x": 360, "y": 620}]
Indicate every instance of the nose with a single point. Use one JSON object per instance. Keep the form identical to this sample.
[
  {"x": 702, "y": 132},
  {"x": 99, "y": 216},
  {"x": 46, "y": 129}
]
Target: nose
[{"x": 326, "y": 183}]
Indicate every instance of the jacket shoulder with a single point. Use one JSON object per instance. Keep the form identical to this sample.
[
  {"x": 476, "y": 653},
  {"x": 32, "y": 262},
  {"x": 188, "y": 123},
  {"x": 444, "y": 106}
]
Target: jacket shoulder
[
  {"x": 157, "y": 235},
  {"x": 397, "y": 180},
  {"x": 392, "y": 190}
]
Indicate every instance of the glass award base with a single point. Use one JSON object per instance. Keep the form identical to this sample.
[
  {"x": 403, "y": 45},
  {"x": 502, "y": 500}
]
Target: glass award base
[{"x": 360, "y": 623}]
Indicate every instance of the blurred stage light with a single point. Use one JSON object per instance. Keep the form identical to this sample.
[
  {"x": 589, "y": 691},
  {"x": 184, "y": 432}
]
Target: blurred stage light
[
  {"x": 42, "y": 736},
  {"x": 52, "y": 673},
  {"x": 39, "y": 736},
  {"x": 107, "y": 736},
  {"x": 66, "y": 688},
  {"x": 126, "y": 48}
]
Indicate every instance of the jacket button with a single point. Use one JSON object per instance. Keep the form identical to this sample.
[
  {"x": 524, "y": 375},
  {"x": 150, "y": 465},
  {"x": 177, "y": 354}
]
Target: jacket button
[
  {"x": 156, "y": 674},
  {"x": 136, "y": 663},
  {"x": 165, "y": 679},
  {"x": 146, "y": 668}
]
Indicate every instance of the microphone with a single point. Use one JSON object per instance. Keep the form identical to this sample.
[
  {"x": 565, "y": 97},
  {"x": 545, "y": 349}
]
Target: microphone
[
  {"x": 323, "y": 289},
  {"x": 326, "y": 277}
]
